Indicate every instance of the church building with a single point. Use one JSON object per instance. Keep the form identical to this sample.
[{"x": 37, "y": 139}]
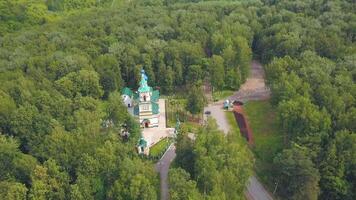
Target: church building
[{"x": 143, "y": 103}]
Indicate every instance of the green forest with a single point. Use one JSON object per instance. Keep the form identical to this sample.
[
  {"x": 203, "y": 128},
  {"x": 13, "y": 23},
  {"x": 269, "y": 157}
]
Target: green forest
[{"x": 63, "y": 64}]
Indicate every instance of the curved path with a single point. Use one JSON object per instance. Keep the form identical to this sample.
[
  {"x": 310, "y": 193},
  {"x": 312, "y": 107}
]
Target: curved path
[
  {"x": 253, "y": 89},
  {"x": 162, "y": 166}
]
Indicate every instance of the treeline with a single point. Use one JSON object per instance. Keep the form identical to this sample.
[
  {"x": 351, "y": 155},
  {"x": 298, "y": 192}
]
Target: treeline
[
  {"x": 310, "y": 50},
  {"x": 18, "y": 14},
  {"x": 60, "y": 112}
]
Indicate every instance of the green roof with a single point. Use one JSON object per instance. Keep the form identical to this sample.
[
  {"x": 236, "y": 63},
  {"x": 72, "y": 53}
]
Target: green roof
[
  {"x": 155, "y": 108},
  {"x": 136, "y": 96},
  {"x": 144, "y": 88},
  {"x": 143, "y": 84},
  {"x": 155, "y": 96},
  {"x": 142, "y": 143},
  {"x": 127, "y": 91}
]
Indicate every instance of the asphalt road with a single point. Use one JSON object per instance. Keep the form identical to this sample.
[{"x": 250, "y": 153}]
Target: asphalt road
[
  {"x": 253, "y": 89},
  {"x": 256, "y": 191},
  {"x": 162, "y": 166},
  {"x": 218, "y": 114}
]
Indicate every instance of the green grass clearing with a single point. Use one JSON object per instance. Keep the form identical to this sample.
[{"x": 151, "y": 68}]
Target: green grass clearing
[
  {"x": 222, "y": 95},
  {"x": 268, "y": 139},
  {"x": 159, "y": 148}
]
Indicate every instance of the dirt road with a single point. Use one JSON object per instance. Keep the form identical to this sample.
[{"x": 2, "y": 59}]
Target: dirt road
[{"x": 255, "y": 87}]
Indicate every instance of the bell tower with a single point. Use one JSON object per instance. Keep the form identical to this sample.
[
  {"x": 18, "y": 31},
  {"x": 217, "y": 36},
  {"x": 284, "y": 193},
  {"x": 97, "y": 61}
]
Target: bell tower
[{"x": 145, "y": 104}]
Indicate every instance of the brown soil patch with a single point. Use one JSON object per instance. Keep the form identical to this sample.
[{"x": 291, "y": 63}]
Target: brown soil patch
[{"x": 241, "y": 121}]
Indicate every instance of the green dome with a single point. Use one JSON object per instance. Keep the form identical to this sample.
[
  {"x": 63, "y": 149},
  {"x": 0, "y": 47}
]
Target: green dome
[{"x": 143, "y": 84}]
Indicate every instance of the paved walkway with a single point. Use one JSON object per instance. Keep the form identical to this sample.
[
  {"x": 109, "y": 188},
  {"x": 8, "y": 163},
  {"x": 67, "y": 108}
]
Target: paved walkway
[{"x": 155, "y": 134}]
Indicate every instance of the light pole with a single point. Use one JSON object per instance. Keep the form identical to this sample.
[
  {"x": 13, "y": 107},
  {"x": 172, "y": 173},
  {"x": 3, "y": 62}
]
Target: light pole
[{"x": 275, "y": 188}]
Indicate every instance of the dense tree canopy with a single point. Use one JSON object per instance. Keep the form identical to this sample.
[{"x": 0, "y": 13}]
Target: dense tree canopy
[
  {"x": 62, "y": 63},
  {"x": 219, "y": 166},
  {"x": 309, "y": 47}
]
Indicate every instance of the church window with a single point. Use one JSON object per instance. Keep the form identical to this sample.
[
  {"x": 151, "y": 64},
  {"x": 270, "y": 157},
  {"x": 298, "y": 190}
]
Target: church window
[{"x": 145, "y": 107}]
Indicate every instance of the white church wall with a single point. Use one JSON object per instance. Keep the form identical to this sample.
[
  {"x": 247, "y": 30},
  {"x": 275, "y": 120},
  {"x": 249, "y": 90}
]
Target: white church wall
[
  {"x": 127, "y": 100},
  {"x": 145, "y": 107}
]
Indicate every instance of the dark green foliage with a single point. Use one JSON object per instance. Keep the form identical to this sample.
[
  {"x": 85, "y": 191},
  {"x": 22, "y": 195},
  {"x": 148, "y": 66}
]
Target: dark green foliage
[
  {"x": 313, "y": 84},
  {"x": 297, "y": 174},
  {"x": 62, "y": 64},
  {"x": 14, "y": 164}
]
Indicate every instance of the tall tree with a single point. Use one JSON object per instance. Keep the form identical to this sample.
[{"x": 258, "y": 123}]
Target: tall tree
[
  {"x": 196, "y": 100},
  {"x": 217, "y": 72}
]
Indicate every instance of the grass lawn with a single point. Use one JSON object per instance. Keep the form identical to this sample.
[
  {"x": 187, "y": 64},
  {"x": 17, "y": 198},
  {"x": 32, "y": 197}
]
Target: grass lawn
[
  {"x": 222, "y": 95},
  {"x": 158, "y": 149},
  {"x": 268, "y": 139},
  {"x": 232, "y": 122}
]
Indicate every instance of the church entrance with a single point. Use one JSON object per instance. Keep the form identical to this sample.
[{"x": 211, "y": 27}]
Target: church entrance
[{"x": 146, "y": 123}]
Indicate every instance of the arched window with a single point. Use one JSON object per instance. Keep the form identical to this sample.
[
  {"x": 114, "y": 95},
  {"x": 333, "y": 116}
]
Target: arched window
[{"x": 144, "y": 98}]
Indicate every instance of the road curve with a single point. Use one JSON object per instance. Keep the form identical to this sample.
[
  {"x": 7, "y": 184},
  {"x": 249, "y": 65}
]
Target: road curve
[
  {"x": 253, "y": 89},
  {"x": 162, "y": 167},
  {"x": 256, "y": 191}
]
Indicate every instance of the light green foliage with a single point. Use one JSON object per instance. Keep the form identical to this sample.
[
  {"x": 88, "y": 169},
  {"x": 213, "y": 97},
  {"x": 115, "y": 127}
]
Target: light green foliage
[
  {"x": 268, "y": 138},
  {"x": 222, "y": 94},
  {"x": 136, "y": 181},
  {"x": 84, "y": 82},
  {"x": 195, "y": 75},
  {"x": 12, "y": 190},
  {"x": 49, "y": 182},
  {"x": 300, "y": 117},
  {"x": 15, "y": 165},
  {"x": 159, "y": 148},
  {"x": 337, "y": 167},
  {"x": 220, "y": 165},
  {"x": 62, "y": 63},
  {"x": 181, "y": 187},
  {"x": 216, "y": 69},
  {"x": 195, "y": 100}
]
